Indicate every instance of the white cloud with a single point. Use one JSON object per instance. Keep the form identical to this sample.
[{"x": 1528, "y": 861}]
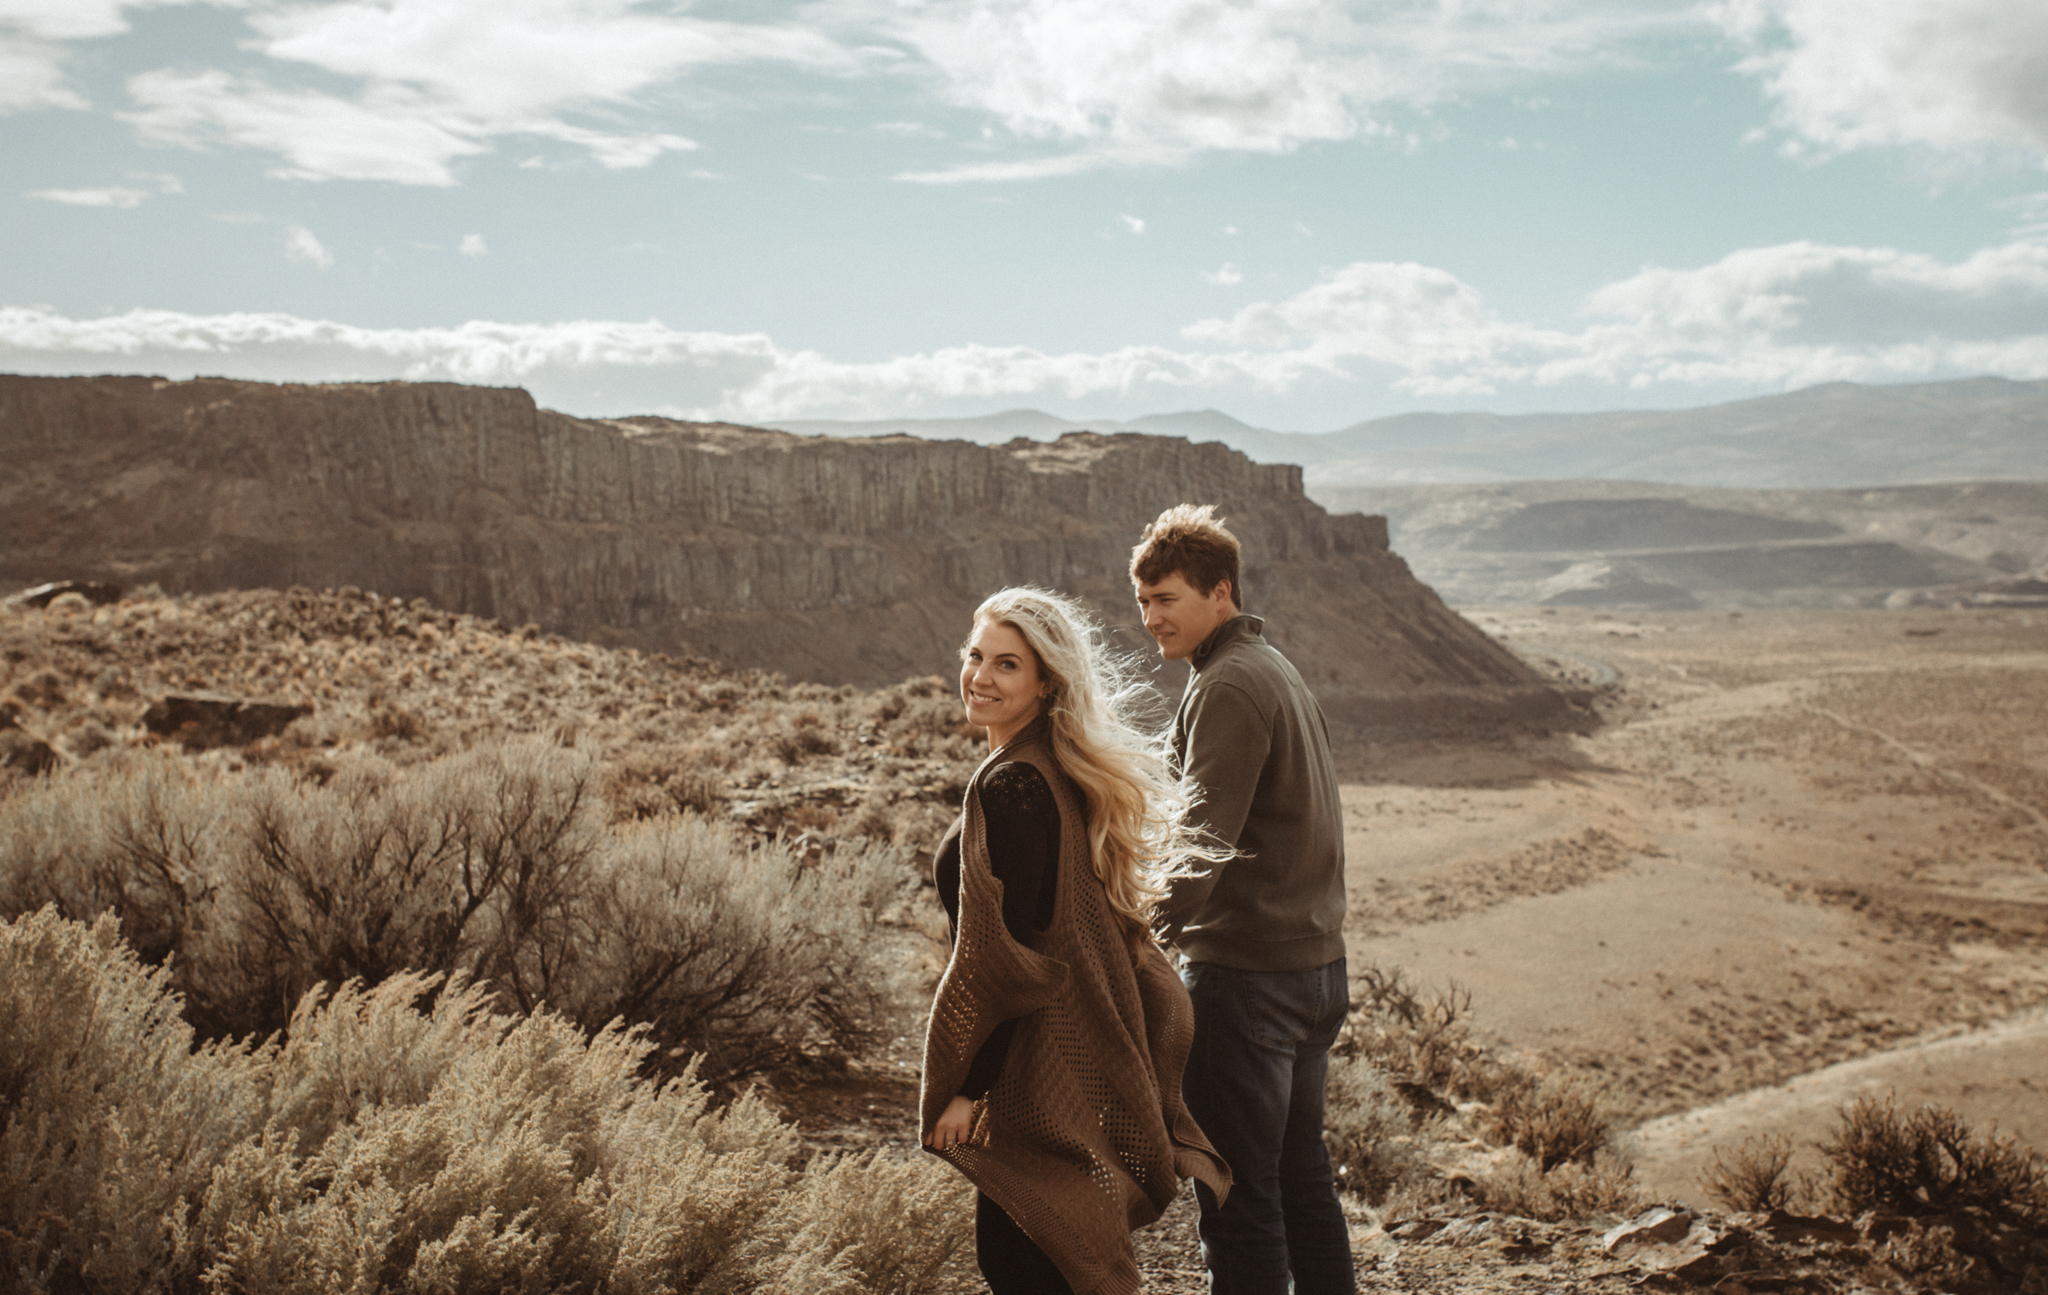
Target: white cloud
[
  {"x": 473, "y": 245},
  {"x": 1760, "y": 319},
  {"x": 112, "y": 195},
  {"x": 32, "y": 76},
  {"x": 1224, "y": 275},
  {"x": 438, "y": 80},
  {"x": 66, "y": 19},
  {"x": 1966, "y": 79},
  {"x": 1154, "y": 81},
  {"x": 1133, "y": 223},
  {"x": 31, "y": 60},
  {"x": 302, "y": 247},
  {"x": 116, "y": 196},
  {"x": 390, "y": 136}
]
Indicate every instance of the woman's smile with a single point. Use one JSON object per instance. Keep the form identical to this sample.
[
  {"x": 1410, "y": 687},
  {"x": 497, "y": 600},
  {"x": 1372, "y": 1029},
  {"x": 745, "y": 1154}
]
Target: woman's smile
[{"x": 1000, "y": 681}]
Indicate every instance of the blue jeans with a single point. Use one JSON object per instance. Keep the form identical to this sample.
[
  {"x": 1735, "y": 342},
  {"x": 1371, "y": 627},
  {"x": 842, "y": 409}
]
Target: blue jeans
[{"x": 1254, "y": 1083}]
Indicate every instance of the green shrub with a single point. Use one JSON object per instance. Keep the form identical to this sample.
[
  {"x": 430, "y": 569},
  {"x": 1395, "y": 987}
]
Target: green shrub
[{"x": 1930, "y": 1163}]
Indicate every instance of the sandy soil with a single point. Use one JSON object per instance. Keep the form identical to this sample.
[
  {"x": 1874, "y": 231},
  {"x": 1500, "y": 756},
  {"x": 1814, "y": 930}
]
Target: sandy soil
[{"x": 1806, "y": 858}]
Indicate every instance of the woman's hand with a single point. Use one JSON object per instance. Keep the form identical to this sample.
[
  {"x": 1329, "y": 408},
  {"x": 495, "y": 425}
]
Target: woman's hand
[{"x": 953, "y": 1126}]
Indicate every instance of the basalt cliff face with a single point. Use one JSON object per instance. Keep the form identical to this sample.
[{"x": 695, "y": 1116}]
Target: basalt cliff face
[{"x": 842, "y": 561}]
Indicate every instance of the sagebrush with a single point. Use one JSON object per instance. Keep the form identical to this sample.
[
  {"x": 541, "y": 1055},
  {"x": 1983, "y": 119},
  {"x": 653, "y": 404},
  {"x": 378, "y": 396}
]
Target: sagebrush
[
  {"x": 1420, "y": 1113},
  {"x": 497, "y": 865},
  {"x": 405, "y": 1138}
]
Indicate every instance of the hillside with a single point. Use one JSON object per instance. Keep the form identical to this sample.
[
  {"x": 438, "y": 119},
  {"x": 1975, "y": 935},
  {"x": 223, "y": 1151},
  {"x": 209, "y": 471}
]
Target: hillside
[
  {"x": 833, "y": 561},
  {"x": 1839, "y": 434},
  {"x": 1647, "y": 544}
]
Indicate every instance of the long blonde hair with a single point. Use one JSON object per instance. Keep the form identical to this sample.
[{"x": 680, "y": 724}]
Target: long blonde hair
[{"x": 1139, "y": 837}]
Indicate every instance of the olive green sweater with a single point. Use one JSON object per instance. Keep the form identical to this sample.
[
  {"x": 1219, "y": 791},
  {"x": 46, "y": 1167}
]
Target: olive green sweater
[{"x": 1252, "y": 737}]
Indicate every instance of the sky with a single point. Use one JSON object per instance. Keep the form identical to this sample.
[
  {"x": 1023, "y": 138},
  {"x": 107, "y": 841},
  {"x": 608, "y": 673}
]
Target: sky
[{"x": 1303, "y": 214}]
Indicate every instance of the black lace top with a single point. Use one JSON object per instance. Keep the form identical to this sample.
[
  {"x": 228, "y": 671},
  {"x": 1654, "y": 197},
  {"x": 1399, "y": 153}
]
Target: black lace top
[{"x": 1023, "y": 825}]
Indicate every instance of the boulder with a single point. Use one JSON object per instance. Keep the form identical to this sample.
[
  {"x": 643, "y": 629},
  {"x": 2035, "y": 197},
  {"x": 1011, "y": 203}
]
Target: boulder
[
  {"x": 1654, "y": 1226},
  {"x": 200, "y": 721}
]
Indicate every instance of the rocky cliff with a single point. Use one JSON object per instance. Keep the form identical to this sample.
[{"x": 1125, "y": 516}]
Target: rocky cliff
[{"x": 842, "y": 561}]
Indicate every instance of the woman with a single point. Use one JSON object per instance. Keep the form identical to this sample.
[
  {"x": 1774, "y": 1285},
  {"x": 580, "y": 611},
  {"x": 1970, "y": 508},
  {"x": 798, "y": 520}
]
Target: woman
[{"x": 1052, "y": 1064}]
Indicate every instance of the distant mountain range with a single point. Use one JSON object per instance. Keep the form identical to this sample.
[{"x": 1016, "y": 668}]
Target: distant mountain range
[{"x": 1837, "y": 435}]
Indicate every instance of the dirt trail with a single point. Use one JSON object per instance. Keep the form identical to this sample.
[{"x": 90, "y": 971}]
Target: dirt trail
[
  {"x": 1994, "y": 1076},
  {"x": 1807, "y": 857}
]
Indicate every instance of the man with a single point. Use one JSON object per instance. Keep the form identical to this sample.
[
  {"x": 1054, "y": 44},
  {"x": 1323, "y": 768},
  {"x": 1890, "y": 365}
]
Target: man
[{"x": 1261, "y": 937}]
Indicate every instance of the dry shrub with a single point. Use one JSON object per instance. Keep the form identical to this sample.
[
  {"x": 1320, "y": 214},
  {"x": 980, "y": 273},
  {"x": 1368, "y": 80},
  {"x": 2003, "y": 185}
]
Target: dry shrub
[
  {"x": 733, "y": 949},
  {"x": 801, "y": 737},
  {"x": 873, "y": 1224},
  {"x": 1930, "y": 1162},
  {"x": 1755, "y": 1176},
  {"x": 1421, "y": 1041},
  {"x": 647, "y": 784},
  {"x": 109, "y": 1118},
  {"x": 1371, "y": 1131},
  {"x": 1518, "y": 1184},
  {"x": 1554, "y": 1119},
  {"x": 458, "y": 865},
  {"x": 495, "y": 865},
  {"x": 1401, "y": 1066},
  {"x": 396, "y": 724},
  {"x": 405, "y": 1138},
  {"x": 141, "y": 839}
]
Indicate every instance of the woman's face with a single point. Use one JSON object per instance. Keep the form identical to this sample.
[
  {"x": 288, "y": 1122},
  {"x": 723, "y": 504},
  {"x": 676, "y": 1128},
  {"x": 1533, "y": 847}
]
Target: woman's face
[{"x": 1000, "y": 681}]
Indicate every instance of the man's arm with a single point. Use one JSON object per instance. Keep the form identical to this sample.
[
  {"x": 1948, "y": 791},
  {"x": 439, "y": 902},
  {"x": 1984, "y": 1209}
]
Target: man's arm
[{"x": 1227, "y": 743}]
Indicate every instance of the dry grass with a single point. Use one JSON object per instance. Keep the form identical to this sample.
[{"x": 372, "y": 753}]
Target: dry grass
[{"x": 410, "y": 683}]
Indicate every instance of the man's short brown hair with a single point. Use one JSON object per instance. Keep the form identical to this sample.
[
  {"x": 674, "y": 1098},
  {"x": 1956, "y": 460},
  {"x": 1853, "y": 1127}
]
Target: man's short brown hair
[{"x": 1187, "y": 540}]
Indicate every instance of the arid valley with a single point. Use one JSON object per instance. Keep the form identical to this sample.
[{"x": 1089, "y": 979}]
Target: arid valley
[{"x": 1668, "y": 917}]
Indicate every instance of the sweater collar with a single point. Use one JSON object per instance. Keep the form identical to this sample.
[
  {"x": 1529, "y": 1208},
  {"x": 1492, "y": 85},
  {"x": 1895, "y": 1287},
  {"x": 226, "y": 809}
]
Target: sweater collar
[{"x": 1237, "y": 629}]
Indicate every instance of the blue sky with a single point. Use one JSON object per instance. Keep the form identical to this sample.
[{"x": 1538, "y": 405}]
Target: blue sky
[{"x": 1304, "y": 214}]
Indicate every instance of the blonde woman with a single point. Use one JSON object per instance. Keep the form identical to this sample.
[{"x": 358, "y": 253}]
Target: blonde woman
[{"x": 1052, "y": 1066}]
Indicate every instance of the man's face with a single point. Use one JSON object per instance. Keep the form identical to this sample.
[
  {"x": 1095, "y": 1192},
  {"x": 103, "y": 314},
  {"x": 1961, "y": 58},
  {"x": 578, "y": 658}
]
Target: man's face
[{"x": 1181, "y": 619}]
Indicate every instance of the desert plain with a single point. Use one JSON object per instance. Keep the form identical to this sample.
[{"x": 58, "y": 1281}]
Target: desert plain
[{"x": 1803, "y": 858}]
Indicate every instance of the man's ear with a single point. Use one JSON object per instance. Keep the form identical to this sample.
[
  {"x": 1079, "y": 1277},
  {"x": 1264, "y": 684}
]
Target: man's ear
[{"x": 1229, "y": 591}]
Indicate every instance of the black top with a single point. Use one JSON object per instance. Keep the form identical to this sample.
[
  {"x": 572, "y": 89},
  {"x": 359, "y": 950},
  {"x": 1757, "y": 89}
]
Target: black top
[{"x": 1023, "y": 825}]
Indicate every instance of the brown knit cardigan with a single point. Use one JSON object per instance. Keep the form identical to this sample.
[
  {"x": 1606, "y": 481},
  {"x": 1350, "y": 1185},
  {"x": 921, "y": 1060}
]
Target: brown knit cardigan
[{"x": 1083, "y": 1136}]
